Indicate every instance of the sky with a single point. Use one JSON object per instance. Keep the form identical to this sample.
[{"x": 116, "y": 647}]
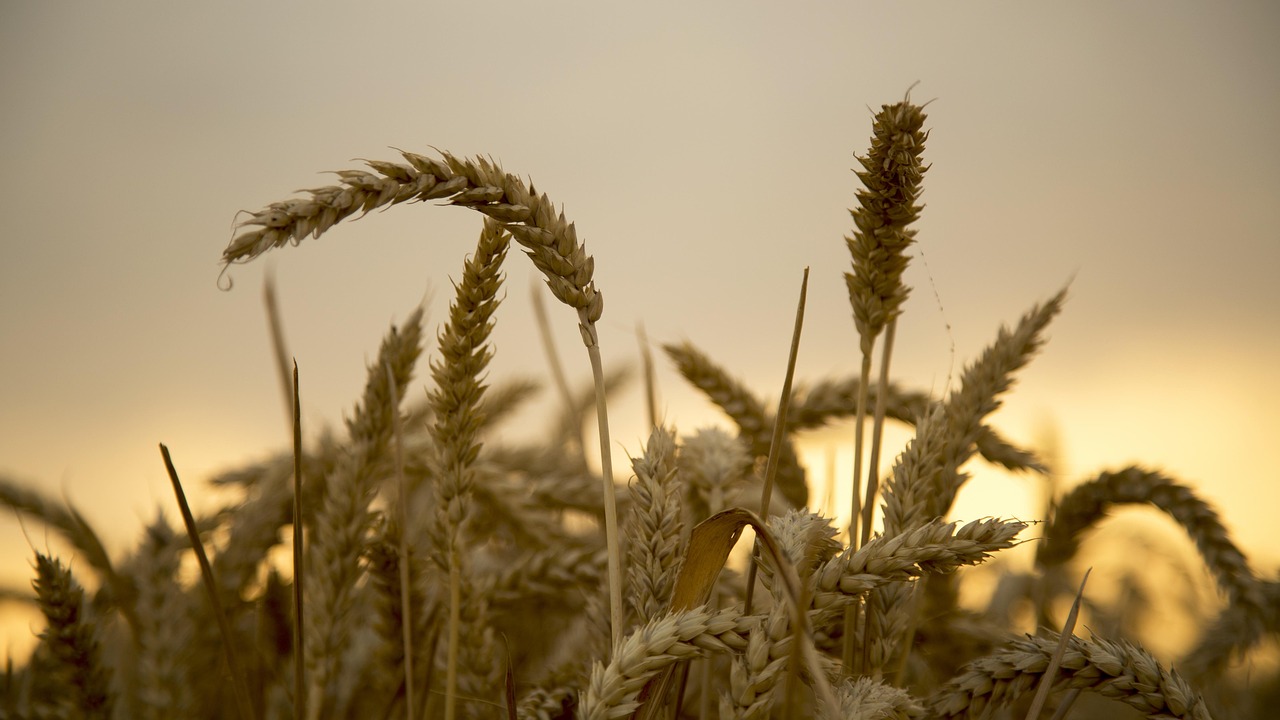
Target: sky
[{"x": 704, "y": 151}]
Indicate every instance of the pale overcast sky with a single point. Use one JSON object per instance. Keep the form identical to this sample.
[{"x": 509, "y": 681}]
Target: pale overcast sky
[{"x": 704, "y": 151}]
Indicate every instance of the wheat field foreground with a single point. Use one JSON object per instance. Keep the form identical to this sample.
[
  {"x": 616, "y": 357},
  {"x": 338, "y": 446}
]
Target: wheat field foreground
[{"x": 413, "y": 566}]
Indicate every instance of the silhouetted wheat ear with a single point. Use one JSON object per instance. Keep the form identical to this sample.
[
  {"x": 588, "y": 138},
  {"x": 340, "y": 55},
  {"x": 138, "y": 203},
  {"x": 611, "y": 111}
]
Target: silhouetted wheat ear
[
  {"x": 70, "y": 637},
  {"x": 1090, "y": 502}
]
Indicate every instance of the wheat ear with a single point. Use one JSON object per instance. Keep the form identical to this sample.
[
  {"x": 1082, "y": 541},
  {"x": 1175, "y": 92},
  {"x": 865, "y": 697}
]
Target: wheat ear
[
  {"x": 1116, "y": 670},
  {"x": 660, "y": 643},
  {"x": 70, "y": 637},
  {"x": 456, "y": 399},
  {"x": 1089, "y": 502},
  {"x": 654, "y": 526},
  {"x": 344, "y": 517},
  {"x": 68, "y": 521}
]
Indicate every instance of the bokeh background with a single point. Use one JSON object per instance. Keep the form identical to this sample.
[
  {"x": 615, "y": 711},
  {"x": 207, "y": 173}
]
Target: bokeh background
[{"x": 704, "y": 151}]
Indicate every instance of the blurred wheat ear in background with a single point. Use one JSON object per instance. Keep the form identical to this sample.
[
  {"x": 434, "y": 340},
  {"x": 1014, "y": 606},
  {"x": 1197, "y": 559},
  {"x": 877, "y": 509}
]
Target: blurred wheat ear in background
[{"x": 451, "y": 575}]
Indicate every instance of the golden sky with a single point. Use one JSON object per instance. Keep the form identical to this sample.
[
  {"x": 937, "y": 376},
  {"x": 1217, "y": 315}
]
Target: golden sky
[{"x": 704, "y": 151}]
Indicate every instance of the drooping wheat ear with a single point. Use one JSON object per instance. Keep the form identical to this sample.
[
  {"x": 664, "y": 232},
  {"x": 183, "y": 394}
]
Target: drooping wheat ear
[
  {"x": 1116, "y": 670},
  {"x": 931, "y": 476},
  {"x": 1090, "y": 502},
  {"x": 1084, "y": 505},
  {"x": 456, "y": 398},
  {"x": 344, "y": 518},
  {"x": 754, "y": 423},
  {"x": 663, "y": 641},
  {"x": 70, "y": 637},
  {"x": 654, "y": 527},
  {"x": 479, "y": 184},
  {"x": 163, "y": 644},
  {"x": 867, "y": 699},
  {"x": 712, "y": 464}
]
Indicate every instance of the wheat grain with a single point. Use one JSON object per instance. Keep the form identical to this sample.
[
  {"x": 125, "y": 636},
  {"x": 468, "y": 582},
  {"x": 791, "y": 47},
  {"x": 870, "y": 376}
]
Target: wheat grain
[{"x": 713, "y": 465}]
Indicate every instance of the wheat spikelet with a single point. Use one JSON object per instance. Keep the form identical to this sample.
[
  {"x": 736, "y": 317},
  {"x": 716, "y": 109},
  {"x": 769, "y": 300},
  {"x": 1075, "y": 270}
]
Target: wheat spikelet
[
  {"x": 867, "y": 699},
  {"x": 70, "y": 638},
  {"x": 1115, "y": 670},
  {"x": 344, "y": 518},
  {"x": 712, "y": 465},
  {"x": 754, "y": 423},
  {"x": 653, "y": 527},
  {"x": 815, "y": 405},
  {"x": 661, "y": 642}
]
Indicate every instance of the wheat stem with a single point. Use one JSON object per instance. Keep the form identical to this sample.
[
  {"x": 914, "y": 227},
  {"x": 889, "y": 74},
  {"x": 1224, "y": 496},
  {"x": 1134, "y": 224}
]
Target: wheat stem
[
  {"x": 299, "y": 663},
  {"x": 779, "y": 429},
  {"x": 239, "y": 680}
]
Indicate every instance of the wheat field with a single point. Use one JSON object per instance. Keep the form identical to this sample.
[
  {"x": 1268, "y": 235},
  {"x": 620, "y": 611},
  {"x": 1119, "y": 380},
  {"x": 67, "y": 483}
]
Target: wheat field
[{"x": 408, "y": 565}]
